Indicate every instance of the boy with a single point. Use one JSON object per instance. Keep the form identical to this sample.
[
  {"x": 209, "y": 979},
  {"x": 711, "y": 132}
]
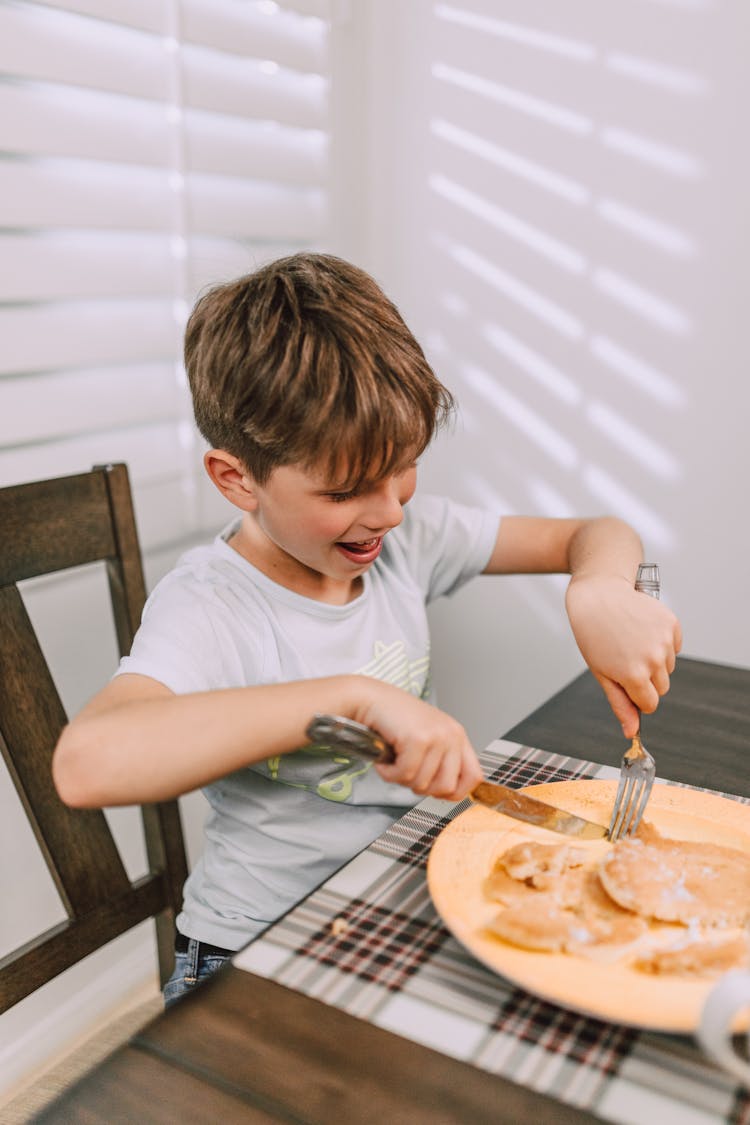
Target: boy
[{"x": 317, "y": 402}]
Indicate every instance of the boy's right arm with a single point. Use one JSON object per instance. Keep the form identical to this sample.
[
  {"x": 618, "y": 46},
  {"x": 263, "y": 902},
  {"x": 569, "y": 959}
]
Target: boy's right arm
[{"x": 137, "y": 742}]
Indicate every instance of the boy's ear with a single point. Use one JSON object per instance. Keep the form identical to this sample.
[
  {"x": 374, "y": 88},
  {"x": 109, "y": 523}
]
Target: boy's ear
[{"x": 231, "y": 478}]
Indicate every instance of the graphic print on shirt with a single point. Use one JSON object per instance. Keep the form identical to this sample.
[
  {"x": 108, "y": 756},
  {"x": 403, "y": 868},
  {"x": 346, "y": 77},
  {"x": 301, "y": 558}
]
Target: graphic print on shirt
[
  {"x": 391, "y": 663},
  {"x": 332, "y": 774}
]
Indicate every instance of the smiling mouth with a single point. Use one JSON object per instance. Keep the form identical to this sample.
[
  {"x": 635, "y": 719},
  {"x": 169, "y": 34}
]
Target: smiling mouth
[
  {"x": 365, "y": 545},
  {"x": 366, "y": 550}
]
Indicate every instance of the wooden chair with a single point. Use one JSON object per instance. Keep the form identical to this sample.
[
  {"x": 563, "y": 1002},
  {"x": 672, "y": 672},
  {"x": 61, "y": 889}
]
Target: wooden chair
[{"x": 48, "y": 526}]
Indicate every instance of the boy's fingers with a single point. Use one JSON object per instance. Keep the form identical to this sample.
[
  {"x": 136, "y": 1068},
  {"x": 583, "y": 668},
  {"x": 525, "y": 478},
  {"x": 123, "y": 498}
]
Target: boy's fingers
[
  {"x": 430, "y": 774},
  {"x": 445, "y": 782},
  {"x": 448, "y": 774},
  {"x": 469, "y": 776},
  {"x": 417, "y": 770},
  {"x": 389, "y": 771},
  {"x": 677, "y": 636},
  {"x": 660, "y": 680},
  {"x": 624, "y": 709},
  {"x": 647, "y": 698}
]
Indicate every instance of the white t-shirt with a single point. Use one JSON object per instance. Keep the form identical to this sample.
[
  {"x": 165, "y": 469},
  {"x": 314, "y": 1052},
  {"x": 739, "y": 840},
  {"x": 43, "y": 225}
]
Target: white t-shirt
[{"x": 278, "y": 828}]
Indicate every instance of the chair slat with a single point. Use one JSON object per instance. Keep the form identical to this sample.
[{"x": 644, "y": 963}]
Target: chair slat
[
  {"x": 48, "y": 954},
  {"x": 124, "y": 571},
  {"x": 45, "y": 527},
  {"x": 165, "y": 849},
  {"x": 76, "y": 843},
  {"x": 52, "y": 541}
]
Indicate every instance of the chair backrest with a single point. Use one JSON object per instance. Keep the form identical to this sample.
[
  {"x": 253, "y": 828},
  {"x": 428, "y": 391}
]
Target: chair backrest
[{"x": 48, "y": 526}]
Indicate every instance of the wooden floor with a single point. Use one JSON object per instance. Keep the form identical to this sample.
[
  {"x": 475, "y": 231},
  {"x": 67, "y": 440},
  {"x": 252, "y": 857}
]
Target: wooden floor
[{"x": 22, "y": 1102}]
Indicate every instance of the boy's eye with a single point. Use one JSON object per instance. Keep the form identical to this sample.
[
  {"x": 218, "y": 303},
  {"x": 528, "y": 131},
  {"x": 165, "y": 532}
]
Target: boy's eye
[{"x": 340, "y": 497}]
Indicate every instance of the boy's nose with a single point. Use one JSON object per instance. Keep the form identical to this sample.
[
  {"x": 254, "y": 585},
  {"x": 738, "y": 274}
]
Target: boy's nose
[{"x": 385, "y": 510}]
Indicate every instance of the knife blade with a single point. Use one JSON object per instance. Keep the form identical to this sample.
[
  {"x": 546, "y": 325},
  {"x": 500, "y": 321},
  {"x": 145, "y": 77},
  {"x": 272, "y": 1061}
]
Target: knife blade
[
  {"x": 520, "y": 806},
  {"x": 345, "y": 734}
]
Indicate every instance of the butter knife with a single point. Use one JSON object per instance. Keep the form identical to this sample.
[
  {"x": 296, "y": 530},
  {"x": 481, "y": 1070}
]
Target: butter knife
[{"x": 346, "y": 734}]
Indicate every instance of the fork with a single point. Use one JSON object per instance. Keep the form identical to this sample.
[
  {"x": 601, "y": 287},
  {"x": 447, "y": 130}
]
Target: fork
[{"x": 638, "y": 768}]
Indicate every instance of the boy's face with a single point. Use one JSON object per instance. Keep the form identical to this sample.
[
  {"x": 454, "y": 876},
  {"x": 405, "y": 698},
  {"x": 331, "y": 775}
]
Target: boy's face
[{"x": 304, "y": 526}]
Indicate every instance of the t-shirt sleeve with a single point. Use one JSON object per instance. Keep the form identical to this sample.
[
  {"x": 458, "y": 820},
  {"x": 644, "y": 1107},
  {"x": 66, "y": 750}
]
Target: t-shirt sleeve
[
  {"x": 179, "y": 642},
  {"x": 445, "y": 544}
]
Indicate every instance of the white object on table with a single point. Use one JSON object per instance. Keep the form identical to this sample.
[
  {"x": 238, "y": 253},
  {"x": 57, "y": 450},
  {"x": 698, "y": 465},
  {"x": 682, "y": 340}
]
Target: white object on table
[{"x": 726, "y": 1000}]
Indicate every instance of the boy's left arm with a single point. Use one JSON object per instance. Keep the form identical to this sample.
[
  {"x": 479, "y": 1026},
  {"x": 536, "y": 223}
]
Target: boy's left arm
[{"x": 628, "y": 639}]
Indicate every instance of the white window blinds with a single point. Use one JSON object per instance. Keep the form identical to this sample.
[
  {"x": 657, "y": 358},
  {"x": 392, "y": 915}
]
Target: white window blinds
[{"x": 147, "y": 149}]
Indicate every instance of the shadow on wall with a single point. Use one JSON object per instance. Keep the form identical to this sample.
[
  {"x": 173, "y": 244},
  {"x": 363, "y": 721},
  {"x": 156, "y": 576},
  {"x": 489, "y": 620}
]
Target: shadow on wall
[
  {"x": 565, "y": 183},
  {"x": 571, "y": 160}
]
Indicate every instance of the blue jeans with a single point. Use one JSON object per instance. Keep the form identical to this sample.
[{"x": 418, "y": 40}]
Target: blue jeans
[{"x": 190, "y": 969}]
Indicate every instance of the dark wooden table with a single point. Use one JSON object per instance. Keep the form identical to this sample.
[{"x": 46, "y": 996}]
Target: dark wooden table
[
  {"x": 245, "y": 1049},
  {"x": 700, "y": 733}
]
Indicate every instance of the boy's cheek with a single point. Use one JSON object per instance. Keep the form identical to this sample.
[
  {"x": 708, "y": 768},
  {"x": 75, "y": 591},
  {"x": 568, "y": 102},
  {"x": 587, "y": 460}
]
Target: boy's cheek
[{"x": 409, "y": 486}]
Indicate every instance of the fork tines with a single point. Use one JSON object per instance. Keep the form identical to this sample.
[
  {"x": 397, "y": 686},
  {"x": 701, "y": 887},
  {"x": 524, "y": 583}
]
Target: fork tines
[{"x": 636, "y": 780}]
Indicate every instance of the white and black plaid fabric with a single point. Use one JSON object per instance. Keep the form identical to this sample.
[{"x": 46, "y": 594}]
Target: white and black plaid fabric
[{"x": 370, "y": 942}]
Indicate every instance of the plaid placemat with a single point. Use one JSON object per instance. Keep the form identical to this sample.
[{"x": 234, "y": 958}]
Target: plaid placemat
[{"x": 370, "y": 942}]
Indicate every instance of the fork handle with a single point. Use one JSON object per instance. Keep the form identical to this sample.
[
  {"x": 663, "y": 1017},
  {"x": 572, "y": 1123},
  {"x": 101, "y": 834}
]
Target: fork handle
[{"x": 647, "y": 581}]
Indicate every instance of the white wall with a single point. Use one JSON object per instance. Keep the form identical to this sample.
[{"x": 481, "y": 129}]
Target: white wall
[{"x": 556, "y": 196}]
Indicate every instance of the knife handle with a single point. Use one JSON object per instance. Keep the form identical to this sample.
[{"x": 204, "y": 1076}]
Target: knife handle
[{"x": 346, "y": 734}]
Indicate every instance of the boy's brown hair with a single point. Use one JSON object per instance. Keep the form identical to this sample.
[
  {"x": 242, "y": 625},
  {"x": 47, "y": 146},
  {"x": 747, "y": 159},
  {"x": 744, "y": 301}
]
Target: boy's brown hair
[{"x": 307, "y": 362}]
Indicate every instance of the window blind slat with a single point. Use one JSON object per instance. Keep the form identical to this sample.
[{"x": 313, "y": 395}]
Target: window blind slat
[
  {"x": 254, "y": 149},
  {"x": 51, "y": 120},
  {"x": 81, "y": 52},
  {"x": 61, "y": 404},
  {"x": 253, "y": 31},
  {"x": 68, "y": 48},
  {"x": 84, "y": 193},
  {"x": 320, "y": 9},
  {"x": 85, "y": 264},
  {"x": 46, "y": 336},
  {"x": 153, "y": 452},
  {"x": 254, "y": 210},
  {"x": 44, "y": 119},
  {"x": 149, "y": 15},
  {"x": 219, "y": 81}
]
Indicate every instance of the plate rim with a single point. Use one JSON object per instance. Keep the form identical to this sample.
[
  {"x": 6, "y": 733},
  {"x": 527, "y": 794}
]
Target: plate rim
[{"x": 665, "y": 797}]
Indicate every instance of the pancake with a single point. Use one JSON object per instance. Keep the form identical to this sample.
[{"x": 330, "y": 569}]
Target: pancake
[
  {"x": 679, "y": 881},
  {"x": 539, "y": 923},
  {"x": 576, "y": 916},
  {"x": 528, "y": 868},
  {"x": 560, "y": 899},
  {"x": 605, "y": 920},
  {"x": 540, "y": 864},
  {"x": 697, "y": 958},
  {"x": 499, "y": 886}
]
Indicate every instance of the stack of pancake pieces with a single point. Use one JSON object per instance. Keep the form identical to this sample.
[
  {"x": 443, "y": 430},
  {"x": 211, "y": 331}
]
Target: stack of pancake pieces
[{"x": 660, "y": 905}]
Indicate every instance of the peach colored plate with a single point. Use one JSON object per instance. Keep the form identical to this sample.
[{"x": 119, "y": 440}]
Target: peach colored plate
[{"x": 466, "y": 850}]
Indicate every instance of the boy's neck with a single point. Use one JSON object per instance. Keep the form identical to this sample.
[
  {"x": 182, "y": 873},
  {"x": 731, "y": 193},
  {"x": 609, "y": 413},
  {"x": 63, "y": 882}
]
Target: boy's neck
[{"x": 249, "y": 542}]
